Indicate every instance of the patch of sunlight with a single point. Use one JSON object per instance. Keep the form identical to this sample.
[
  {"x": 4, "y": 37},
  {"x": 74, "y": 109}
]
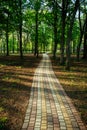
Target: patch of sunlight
[
  {"x": 3, "y": 119},
  {"x": 14, "y": 80},
  {"x": 1, "y": 65},
  {"x": 1, "y": 109},
  {"x": 71, "y": 82},
  {"x": 19, "y": 67},
  {"x": 10, "y": 79}
]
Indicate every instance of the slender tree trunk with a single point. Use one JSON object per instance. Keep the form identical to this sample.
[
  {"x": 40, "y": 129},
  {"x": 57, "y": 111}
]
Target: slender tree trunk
[
  {"x": 20, "y": 28},
  {"x": 74, "y": 47},
  {"x": 68, "y": 49},
  {"x": 81, "y": 35},
  {"x": 1, "y": 50},
  {"x": 7, "y": 39},
  {"x": 4, "y": 45},
  {"x": 85, "y": 47},
  {"x": 85, "y": 41},
  {"x": 63, "y": 33},
  {"x": 69, "y": 36},
  {"x": 13, "y": 43},
  {"x": 36, "y": 36},
  {"x": 55, "y": 28},
  {"x": 79, "y": 45},
  {"x": 4, "y": 49},
  {"x": 32, "y": 47},
  {"x": 18, "y": 41}
]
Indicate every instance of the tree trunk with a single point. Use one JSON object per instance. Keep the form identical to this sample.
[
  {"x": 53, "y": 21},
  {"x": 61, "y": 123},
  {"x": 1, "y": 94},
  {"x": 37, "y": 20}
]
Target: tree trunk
[
  {"x": 85, "y": 47},
  {"x": 63, "y": 33},
  {"x": 81, "y": 35},
  {"x": 74, "y": 47},
  {"x": 85, "y": 41},
  {"x": 68, "y": 51},
  {"x": 55, "y": 28},
  {"x": 13, "y": 43},
  {"x": 20, "y": 28},
  {"x": 36, "y": 36},
  {"x": 79, "y": 45},
  {"x": 18, "y": 41},
  {"x": 7, "y": 39},
  {"x": 69, "y": 36}
]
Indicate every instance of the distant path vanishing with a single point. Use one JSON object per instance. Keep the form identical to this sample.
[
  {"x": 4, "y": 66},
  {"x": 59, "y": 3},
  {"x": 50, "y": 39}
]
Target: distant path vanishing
[{"x": 49, "y": 107}]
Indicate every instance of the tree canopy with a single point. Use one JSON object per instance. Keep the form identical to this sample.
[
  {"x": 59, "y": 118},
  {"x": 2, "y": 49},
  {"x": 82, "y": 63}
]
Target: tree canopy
[{"x": 54, "y": 26}]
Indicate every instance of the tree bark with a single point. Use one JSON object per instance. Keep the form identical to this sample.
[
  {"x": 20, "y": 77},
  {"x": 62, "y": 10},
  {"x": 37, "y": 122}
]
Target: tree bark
[
  {"x": 85, "y": 41},
  {"x": 36, "y": 36},
  {"x": 13, "y": 44},
  {"x": 81, "y": 36},
  {"x": 79, "y": 45},
  {"x": 20, "y": 28},
  {"x": 69, "y": 36},
  {"x": 7, "y": 38},
  {"x": 63, "y": 33},
  {"x": 55, "y": 28}
]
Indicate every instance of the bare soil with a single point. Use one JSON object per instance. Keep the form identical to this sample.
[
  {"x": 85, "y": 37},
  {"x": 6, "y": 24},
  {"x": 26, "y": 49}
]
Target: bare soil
[{"x": 16, "y": 77}]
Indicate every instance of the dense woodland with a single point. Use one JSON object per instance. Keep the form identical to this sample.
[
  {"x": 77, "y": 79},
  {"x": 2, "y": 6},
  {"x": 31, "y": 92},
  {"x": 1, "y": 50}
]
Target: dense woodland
[{"x": 36, "y": 26}]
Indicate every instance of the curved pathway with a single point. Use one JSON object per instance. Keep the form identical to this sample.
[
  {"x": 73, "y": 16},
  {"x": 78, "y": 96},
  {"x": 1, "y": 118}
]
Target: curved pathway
[{"x": 49, "y": 107}]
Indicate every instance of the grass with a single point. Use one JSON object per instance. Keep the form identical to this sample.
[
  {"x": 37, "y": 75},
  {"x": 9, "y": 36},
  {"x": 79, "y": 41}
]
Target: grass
[
  {"x": 16, "y": 77},
  {"x": 75, "y": 84}
]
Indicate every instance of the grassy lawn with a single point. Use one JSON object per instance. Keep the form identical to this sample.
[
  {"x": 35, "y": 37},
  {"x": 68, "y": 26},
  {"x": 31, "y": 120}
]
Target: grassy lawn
[
  {"x": 15, "y": 83},
  {"x": 74, "y": 83}
]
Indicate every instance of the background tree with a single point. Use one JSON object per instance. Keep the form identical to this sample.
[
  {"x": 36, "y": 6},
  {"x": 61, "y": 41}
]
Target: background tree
[
  {"x": 40, "y": 24},
  {"x": 69, "y": 34},
  {"x": 82, "y": 24},
  {"x": 85, "y": 40},
  {"x": 63, "y": 21}
]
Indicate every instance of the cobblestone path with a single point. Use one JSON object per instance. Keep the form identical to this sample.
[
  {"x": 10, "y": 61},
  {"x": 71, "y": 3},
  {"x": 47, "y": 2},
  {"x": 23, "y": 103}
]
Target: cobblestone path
[{"x": 49, "y": 107}]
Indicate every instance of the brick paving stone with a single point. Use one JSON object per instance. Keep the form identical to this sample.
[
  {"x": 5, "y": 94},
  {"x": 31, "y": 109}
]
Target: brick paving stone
[
  {"x": 26, "y": 121},
  {"x": 37, "y": 128},
  {"x": 49, "y": 107},
  {"x": 76, "y": 129},
  {"x": 49, "y": 128},
  {"x": 30, "y": 128},
  {"x": 56, "y": 128},
  {"x": 69, "y": 128},
  {"x": 25, "y": 125},
  {"x": 82, "y": 127},
  {"x": 63, "y": 128},
  {"x": 27, "y": 117},
  {"x": 43, "y": 127},
  {"x": 74, "y": 124}
]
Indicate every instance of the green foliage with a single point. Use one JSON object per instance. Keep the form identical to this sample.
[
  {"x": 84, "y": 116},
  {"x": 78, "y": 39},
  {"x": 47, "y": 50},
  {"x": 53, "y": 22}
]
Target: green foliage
[
  {"x": 76, "y": 31},
  {"x": 10, "y": 12}
]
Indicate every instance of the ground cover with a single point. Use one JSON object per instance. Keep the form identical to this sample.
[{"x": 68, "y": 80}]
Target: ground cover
[
  {"x": 16, "y": 77},
  {"x": 74, "y": 83}
]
